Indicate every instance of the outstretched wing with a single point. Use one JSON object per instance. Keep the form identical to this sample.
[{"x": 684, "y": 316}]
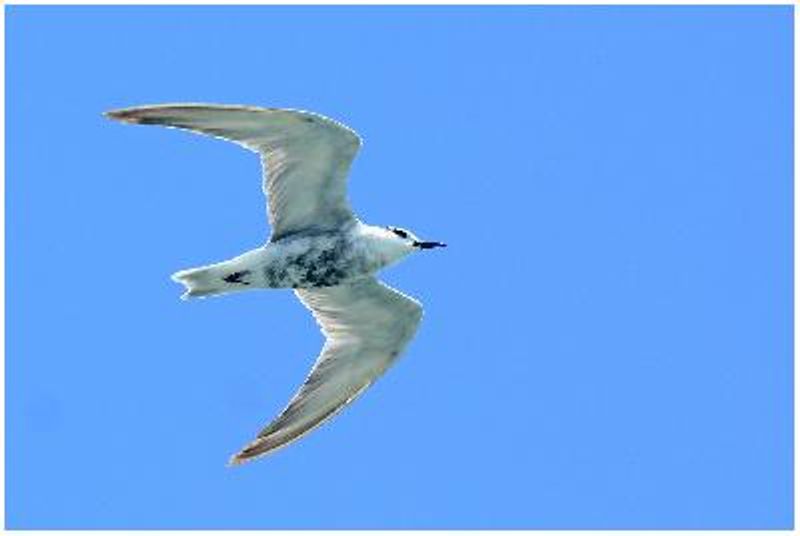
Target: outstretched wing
[
  {"x": 366, "y": 325},
  {"x": 306, "y": 157}
]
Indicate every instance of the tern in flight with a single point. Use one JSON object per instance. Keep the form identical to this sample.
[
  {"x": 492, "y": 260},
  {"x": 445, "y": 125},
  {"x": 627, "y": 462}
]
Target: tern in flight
[{"x": 318, "y": 247}]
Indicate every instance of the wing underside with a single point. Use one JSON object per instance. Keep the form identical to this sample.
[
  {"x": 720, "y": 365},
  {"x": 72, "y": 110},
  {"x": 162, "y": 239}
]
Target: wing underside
[
  {"x": 306, "y": 157},
  {"x": 367, "y": 325}
]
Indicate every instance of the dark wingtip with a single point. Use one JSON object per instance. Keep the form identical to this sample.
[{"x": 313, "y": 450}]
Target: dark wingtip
[
  {"x": 248, "y": 454},
  {"x": 236, "y": 460},
  {"x": 135, "y": 116},
  {"x": 125, "y": 115}
]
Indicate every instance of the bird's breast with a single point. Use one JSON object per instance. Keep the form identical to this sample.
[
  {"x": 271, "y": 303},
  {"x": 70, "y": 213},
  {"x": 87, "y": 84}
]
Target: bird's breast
[{"x": 314, "y": 262}]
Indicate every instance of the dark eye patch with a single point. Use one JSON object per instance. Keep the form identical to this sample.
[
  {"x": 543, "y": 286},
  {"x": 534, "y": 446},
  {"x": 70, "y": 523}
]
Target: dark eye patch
[{"x": 399, "y": 232}]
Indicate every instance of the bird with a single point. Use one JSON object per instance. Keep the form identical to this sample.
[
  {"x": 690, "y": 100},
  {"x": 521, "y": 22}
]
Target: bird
[{"x": 318, "y": 247}]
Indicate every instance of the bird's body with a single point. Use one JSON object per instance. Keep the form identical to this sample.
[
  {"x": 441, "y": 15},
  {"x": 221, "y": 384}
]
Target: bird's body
[
  {"x": 318, "y": 247},
  {"x": 303, "y": 260}
]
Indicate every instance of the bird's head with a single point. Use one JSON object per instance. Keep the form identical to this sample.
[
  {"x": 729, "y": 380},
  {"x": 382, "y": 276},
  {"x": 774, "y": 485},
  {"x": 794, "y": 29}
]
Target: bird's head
[{"x": 410, "y": 240}]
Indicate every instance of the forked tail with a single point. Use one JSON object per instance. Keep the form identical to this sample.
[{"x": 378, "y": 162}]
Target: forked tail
[{"x": 211, "y": 280}]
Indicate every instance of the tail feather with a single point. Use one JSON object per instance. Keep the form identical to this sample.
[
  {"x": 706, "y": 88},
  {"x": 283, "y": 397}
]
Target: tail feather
[
  {"x": 228, "y": 276},
  {"x": 201, "y": 282}
]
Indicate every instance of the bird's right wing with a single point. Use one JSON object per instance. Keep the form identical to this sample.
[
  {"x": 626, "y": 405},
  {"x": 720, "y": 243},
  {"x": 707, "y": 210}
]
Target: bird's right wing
[
  {"x": 306, "y": 157},
  {"x": 366, "y": 325}
]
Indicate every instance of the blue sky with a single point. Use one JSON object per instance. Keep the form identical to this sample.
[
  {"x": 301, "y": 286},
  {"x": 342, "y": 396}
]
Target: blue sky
[{"x": 607, "y": 341}]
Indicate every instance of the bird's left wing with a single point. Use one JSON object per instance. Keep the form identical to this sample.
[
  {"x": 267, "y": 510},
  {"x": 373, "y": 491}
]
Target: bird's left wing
[
  {"x": 366, "y": 325},
  {"x": 305, "y": 156}
]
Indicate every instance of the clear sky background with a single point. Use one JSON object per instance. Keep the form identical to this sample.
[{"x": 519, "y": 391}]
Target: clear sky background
[{"x": 607, "y": 341}]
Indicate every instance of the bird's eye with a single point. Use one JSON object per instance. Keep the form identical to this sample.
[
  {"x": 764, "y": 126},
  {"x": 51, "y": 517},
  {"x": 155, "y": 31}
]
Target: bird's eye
[{"x": 399, "y": 232}]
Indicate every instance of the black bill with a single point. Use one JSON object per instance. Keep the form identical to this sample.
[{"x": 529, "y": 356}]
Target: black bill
[{"x": 429, "y": 245}]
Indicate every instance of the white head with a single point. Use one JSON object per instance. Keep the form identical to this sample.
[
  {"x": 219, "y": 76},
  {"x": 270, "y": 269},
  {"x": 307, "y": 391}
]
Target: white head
[
  {"x": 394, "y": 243},
  {"x": 410, "y": 240}
]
